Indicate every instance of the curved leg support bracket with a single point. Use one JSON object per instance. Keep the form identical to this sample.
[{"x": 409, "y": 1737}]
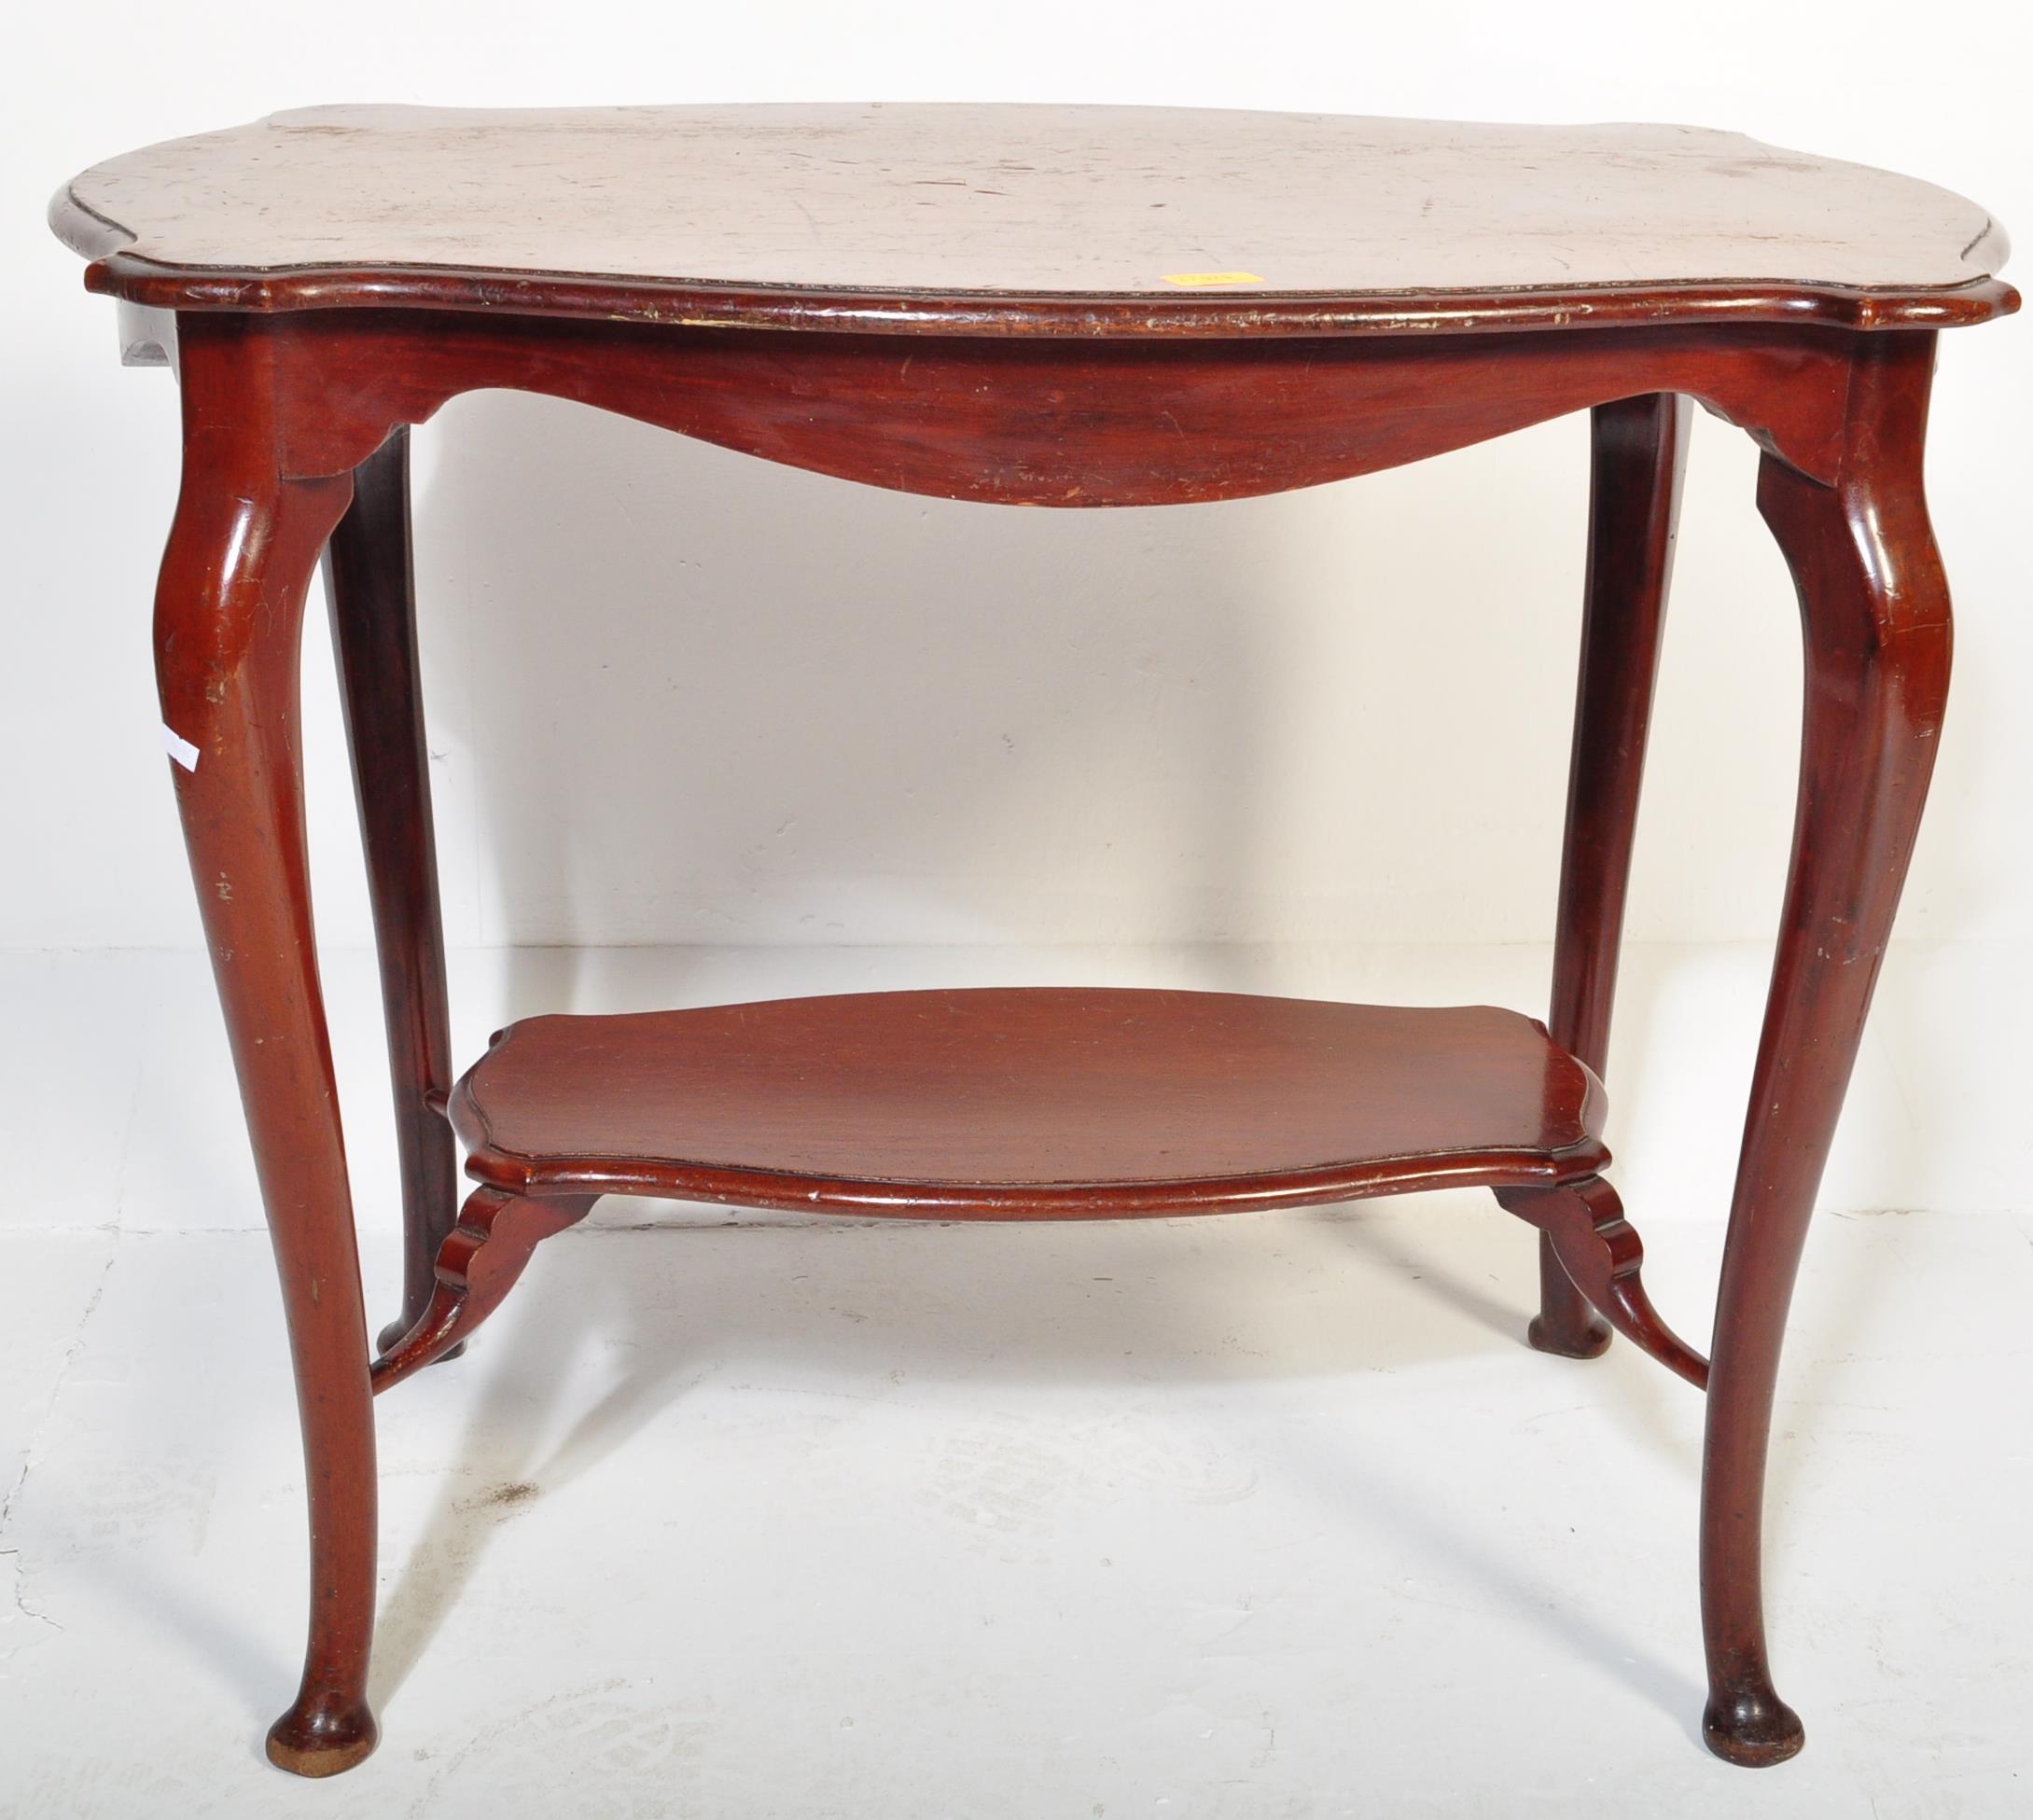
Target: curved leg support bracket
[
  {"x": 1585, "y": 1228},
  {"x": 478, "y": 1263}
]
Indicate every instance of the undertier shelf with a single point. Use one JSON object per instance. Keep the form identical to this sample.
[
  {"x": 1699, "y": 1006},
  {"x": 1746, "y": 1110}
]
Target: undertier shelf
[{"x": 1036, "y": 1103}]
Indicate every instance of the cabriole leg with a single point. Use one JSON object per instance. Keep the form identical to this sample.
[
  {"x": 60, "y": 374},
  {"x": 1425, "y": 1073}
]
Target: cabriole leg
[
  {"x": 1875, "y": 616},
  {"x": 229, "y": 618},
  {"x": 368, "y": 582},
  {"x": 1638, "y": 453}
]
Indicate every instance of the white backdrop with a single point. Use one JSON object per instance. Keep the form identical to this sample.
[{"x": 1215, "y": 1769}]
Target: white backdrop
[{"x": 680, "y": 696}]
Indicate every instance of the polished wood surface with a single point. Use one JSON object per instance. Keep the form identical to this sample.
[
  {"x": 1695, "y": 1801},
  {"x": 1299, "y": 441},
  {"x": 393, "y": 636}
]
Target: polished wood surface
[
  {"x": 1639, "y": 455},
  {"x": 371, "y": 594},
  {"x": 481, "y": 1259},
  {"x": 1586, "y": 1238},
  {"x": 1070, "y": 422},
  {"x": 1875, "y": 622},
  {"x": 1028, "y": 1103},
  {"x": 1117, "y": 220},
  {"x": 229, "y": 623},
  {"x": 1580, "y": 1222},
  {"x": 299, "y": 383}
]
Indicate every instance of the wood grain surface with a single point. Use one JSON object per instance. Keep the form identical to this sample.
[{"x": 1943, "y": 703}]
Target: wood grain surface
[
  {"x": 1011, "y": 1101},
  {"x": 794, "y": 213}
]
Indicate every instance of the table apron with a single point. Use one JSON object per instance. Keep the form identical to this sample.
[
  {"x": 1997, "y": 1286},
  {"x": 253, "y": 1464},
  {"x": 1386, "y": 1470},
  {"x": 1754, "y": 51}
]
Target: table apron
[{"x": 1029, "y": 422}]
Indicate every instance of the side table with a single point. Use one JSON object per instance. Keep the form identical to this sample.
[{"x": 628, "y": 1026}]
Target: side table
[{"x": 1040, "y": 306}]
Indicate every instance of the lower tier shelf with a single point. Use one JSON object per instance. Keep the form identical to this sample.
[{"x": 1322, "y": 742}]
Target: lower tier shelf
[
  {"x": 1042, "y": 1103},
  {"x": 1059, "y": 1104}
]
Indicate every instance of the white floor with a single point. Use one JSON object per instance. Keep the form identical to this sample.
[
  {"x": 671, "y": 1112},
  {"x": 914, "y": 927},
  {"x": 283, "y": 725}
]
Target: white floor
[{"x": 1266, "y": 1516}]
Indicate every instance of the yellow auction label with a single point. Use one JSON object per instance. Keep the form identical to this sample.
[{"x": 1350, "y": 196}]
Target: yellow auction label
[{"x": 1195, "y": 280}]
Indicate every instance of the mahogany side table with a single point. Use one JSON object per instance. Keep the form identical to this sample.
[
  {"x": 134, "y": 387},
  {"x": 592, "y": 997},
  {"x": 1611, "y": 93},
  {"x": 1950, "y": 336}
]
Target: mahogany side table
[{"x": 1039, "y": 306}]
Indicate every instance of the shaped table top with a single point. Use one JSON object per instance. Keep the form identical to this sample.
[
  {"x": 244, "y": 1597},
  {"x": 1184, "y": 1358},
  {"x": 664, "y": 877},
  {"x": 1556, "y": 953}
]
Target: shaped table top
[{"x": 1044, "y": 218}]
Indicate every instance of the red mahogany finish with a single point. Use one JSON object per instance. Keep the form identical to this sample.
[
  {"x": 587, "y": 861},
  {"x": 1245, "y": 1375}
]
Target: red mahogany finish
[
  {"x": 1639, "y": 448},
  {"x": 1028, "y": 1103},
  {"x": 373, "y": 612},
  {"x": 1034, "y": 1104},
  {"x": 1064, "y": 307}
]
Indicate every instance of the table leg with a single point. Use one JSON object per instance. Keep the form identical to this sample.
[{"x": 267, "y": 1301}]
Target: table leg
[
  {"x": 1639, "y": 447},
  {"x": 229, "y": 618},
  {"x": 368, "y": 580},
  {"x": 1875, "y": 617}
]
